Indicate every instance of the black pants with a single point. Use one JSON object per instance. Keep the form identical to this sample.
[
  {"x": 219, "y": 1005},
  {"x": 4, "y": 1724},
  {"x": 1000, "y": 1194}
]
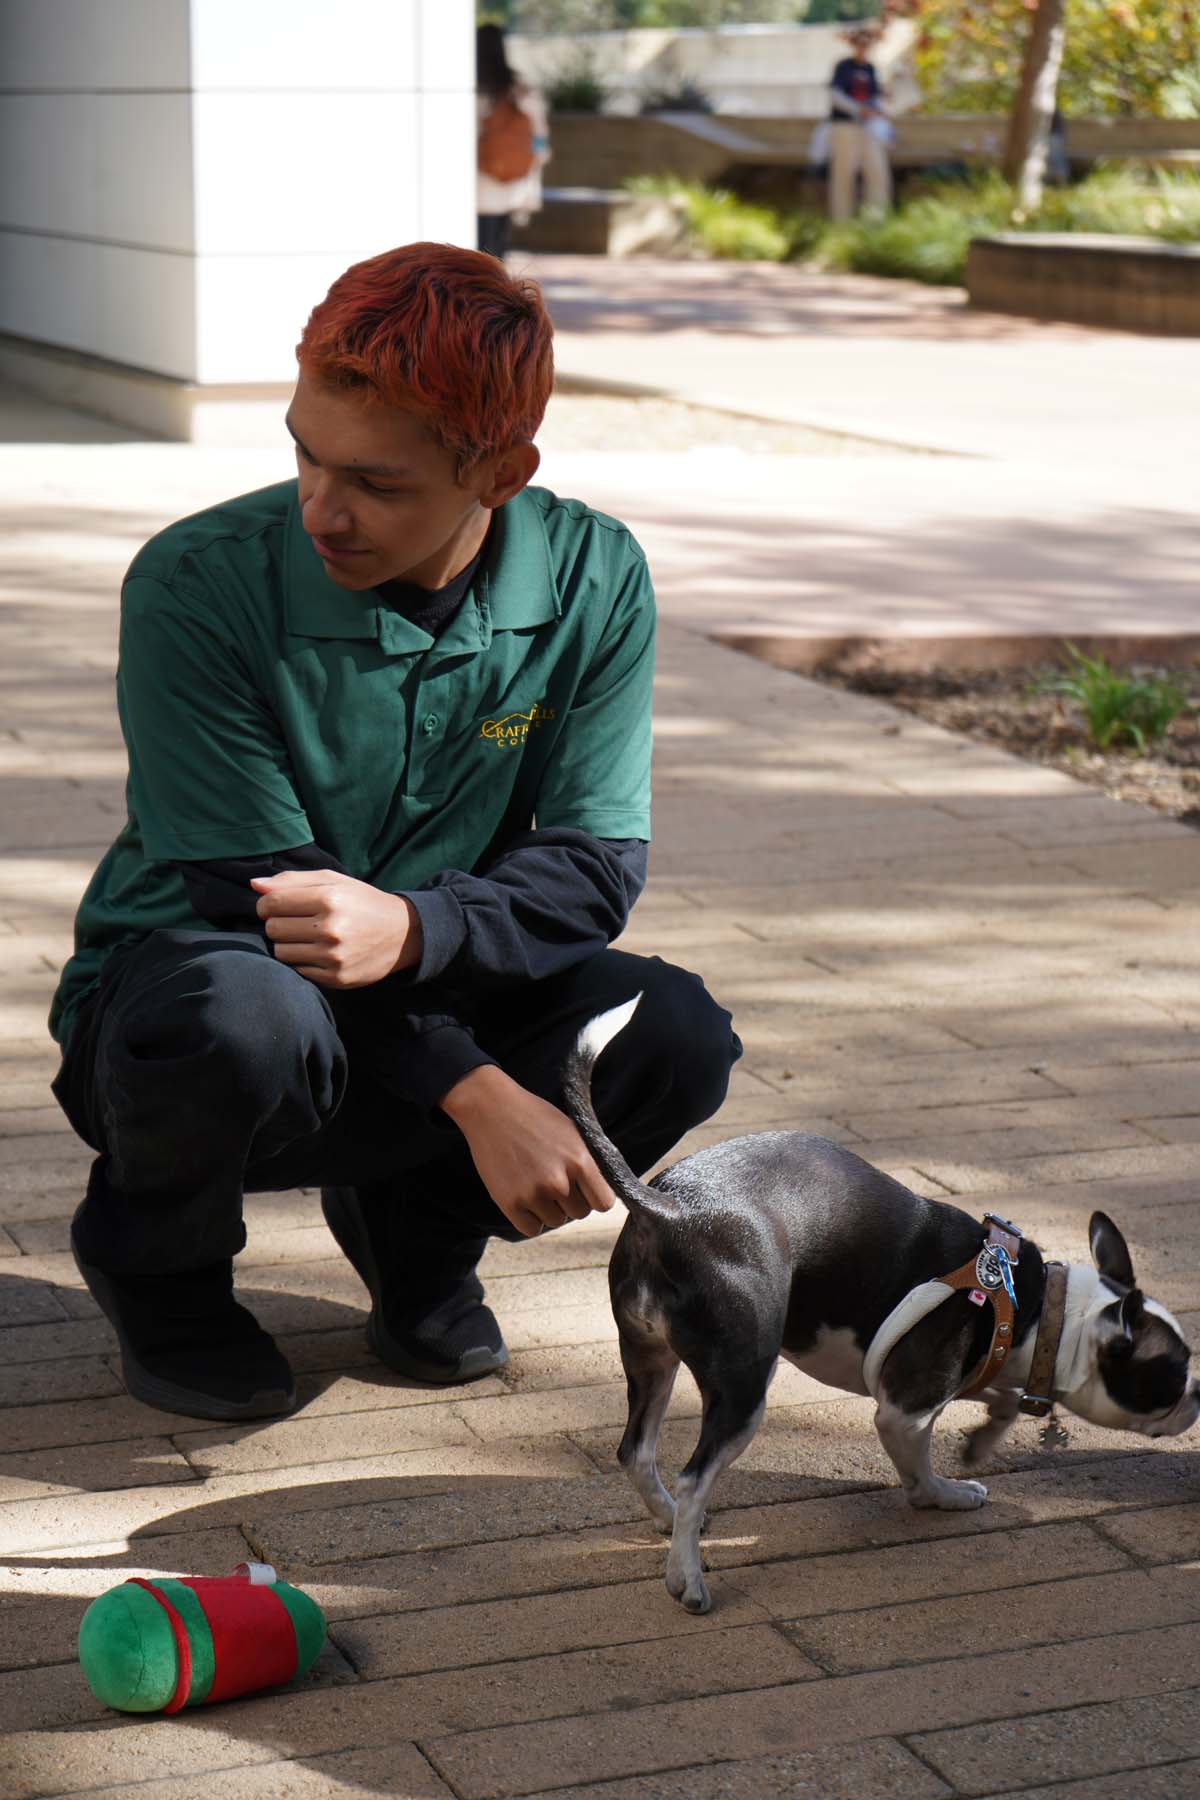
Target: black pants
[
  {"x": 203, "y": 1069},
  {"x": 494, "y": 233}
]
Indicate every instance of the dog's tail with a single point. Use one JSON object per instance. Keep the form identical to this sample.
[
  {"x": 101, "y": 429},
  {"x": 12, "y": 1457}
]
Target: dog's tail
[{"x": 577, "y": 1091}]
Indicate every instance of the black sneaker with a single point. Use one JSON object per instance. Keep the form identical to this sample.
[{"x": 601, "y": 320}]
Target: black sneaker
[
  {"x": 440, "y": 1336},
  {"x": 188, "y": 1347}
]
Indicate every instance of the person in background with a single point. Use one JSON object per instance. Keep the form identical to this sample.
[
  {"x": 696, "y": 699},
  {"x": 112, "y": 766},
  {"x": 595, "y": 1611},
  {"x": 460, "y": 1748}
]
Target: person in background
[
  {"x": 859, "y": 131},
  {"x": 1058, "y": 163},
  {"x": 513, "y": 144}
]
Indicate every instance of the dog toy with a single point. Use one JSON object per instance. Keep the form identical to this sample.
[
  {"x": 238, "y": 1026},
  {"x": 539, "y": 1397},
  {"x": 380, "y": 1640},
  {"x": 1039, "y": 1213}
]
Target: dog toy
[{"x": 161, "y": 1645}]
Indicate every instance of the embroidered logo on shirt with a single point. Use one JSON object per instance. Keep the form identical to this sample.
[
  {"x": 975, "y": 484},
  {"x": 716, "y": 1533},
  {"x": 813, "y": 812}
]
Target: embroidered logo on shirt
[{"x": 511, "y": 731}]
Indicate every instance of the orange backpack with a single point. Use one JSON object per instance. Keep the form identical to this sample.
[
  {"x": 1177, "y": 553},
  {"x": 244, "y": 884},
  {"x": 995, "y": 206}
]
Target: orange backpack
[{"x": 506, "y": 142}]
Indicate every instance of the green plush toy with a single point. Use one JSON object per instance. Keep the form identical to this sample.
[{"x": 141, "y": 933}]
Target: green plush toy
[{"x": 158, "y": 1646}]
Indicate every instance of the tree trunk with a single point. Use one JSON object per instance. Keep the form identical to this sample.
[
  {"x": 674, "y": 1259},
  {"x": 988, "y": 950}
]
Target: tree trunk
[{"x": 1029, "y": 127}]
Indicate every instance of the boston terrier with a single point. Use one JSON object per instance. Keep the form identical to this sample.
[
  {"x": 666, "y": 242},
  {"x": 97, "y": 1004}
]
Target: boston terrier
[{"x": 785, "y": 1244}]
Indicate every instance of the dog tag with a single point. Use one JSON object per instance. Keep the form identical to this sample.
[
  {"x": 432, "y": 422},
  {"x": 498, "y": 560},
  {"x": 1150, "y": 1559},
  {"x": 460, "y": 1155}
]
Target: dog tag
[
  {"x": 993, "y": 1269},
  {"x": 987, "y": 1268},
  {"x": 1053, "y": 1436}
]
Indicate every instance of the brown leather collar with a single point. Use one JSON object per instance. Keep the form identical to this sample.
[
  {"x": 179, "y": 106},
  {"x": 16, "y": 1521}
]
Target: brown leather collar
[
  {"x": 983, "y": 1277},
  {"x": 1038, "y": 1397}
]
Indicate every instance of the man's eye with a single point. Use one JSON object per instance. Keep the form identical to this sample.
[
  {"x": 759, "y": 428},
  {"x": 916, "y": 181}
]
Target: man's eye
[{"x": 373, "y": 488}]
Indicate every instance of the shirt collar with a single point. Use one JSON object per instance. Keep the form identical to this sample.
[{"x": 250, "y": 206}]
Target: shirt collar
[
  {"x": 517, "y": 578},
  {"x": 514, "y": 589}
]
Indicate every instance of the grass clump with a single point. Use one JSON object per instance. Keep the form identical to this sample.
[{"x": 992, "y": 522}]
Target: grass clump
[{"x": 1118, "y": 709}]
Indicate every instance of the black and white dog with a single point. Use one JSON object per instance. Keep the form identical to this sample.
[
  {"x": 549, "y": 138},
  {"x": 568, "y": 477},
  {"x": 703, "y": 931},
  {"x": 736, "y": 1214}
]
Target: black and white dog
[{"x": 785, "y": 1244}]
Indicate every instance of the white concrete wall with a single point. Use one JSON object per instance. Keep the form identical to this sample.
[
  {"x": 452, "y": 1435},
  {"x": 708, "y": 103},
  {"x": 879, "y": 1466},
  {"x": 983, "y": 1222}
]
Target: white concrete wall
[
  {"x": 95, "y": 178},
  {"x": 324, "y": 131},
  {"x": 180, "y": 180},
  {"x": 780, "y": 70}
]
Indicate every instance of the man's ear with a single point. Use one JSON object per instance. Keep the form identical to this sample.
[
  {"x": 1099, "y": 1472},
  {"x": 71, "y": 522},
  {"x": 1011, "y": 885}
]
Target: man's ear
[{"x": 506, "y": 473}]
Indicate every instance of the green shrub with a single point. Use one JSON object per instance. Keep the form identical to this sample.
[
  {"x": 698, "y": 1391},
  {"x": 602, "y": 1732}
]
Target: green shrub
[
  {"x": 927, "y": 238},
  {"x": 1158, "y": 202},
  {"x": 806, "y": 232},
  {"x": 1118, "y": 708},
  {"x": 926, "y": 241},
  {"x": 725, "y": 226},
  {"x": 683, "y": 95},
  {"x": 836, "y": 12},
  {"x": 719, "y": 224},
  {"x": 576, "y": 85}
]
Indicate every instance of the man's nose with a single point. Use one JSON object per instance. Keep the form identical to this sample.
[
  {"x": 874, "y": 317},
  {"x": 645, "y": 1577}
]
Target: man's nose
[{"x": 324, "y": 511}]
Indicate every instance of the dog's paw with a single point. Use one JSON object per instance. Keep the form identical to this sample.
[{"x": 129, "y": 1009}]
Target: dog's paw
[
  {"x": 690, "y": 1590},
  {"x": 949, "y": 1496}
]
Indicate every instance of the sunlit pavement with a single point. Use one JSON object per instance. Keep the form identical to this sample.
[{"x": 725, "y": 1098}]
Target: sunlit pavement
[{"x": 1063, "y": 502}]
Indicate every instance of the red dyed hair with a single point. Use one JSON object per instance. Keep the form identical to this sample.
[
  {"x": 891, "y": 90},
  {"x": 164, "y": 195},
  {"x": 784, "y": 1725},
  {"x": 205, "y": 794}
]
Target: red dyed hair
[{"x": 443, "y": 332}]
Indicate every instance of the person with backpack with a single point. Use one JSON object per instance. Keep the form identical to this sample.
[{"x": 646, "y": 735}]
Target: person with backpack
[{"x": 513, "y": 144}]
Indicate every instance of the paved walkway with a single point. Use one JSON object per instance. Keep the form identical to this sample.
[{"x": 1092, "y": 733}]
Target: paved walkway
[
  {"x": 1066, "y": 504},
  {"x": 977, "y": 973}
]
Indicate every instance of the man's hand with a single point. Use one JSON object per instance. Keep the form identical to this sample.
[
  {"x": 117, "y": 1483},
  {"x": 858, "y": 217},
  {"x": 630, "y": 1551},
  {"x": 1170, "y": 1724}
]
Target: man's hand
[
  {"x": 339, "y": 932},
  {"x": 529, "y": 1155}
]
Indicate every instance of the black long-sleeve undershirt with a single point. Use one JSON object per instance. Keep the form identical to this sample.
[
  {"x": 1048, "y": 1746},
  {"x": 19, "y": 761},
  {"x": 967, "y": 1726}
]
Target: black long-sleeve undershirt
[{"x": 550, "y": 899}]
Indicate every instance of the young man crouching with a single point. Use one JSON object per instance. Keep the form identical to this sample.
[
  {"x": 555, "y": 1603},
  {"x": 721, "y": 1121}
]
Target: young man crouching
[{"x": 388, "y": 729}]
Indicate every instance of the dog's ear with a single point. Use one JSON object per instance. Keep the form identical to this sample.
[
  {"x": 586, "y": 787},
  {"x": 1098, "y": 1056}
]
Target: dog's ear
[
  {"x": 1109, "y": 1250},
  {"x": 1133, "y": 1312}
]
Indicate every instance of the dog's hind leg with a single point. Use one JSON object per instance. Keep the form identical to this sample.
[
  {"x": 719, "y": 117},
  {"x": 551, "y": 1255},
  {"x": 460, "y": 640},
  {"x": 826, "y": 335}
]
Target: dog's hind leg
[
  {"x": 984, "y": 1440},
  {"x": 906, "y": 1437},
  {"x": 733, "y": 1411},
  {"x": 650, "y": 1369}
]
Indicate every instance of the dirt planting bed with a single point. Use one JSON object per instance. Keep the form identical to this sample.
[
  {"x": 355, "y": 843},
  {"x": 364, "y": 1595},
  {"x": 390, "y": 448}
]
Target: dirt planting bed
[{"x": 1008, "y": 707}]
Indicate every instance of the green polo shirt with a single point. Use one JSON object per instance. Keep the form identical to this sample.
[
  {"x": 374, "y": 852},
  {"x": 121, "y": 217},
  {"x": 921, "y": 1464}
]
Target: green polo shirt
[{"x": 264, "y": 707}]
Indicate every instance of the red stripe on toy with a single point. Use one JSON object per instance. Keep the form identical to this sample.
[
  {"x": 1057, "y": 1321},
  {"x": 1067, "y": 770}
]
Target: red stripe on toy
[
  {"x": 183, "y": 1649},
  {"x": 253, "y": 1640}
]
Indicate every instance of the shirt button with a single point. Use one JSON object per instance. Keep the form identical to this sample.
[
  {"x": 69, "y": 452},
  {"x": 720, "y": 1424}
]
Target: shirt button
[{"x": 429, "y": 723}]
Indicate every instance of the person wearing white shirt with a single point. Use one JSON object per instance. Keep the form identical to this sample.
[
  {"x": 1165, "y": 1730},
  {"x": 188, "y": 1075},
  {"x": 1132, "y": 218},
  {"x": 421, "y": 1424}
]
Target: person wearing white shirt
[{"x": 513, "y": 144}]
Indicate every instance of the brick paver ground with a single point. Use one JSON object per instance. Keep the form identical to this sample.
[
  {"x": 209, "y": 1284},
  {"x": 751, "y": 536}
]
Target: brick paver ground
[{"x": 973, "y": 971}]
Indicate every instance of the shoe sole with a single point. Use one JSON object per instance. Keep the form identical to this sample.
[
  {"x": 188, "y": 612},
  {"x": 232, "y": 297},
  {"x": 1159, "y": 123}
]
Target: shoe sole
[
  {"x": 344, "y": 1218},
  {"x": 167, "y": 1395}
]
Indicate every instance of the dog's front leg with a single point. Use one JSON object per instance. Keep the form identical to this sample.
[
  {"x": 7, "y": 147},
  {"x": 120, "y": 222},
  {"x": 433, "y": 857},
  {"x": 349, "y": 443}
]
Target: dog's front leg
[
  {"x": 906, "y": 1437},
  {"x": 983, "y": 1441}
]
